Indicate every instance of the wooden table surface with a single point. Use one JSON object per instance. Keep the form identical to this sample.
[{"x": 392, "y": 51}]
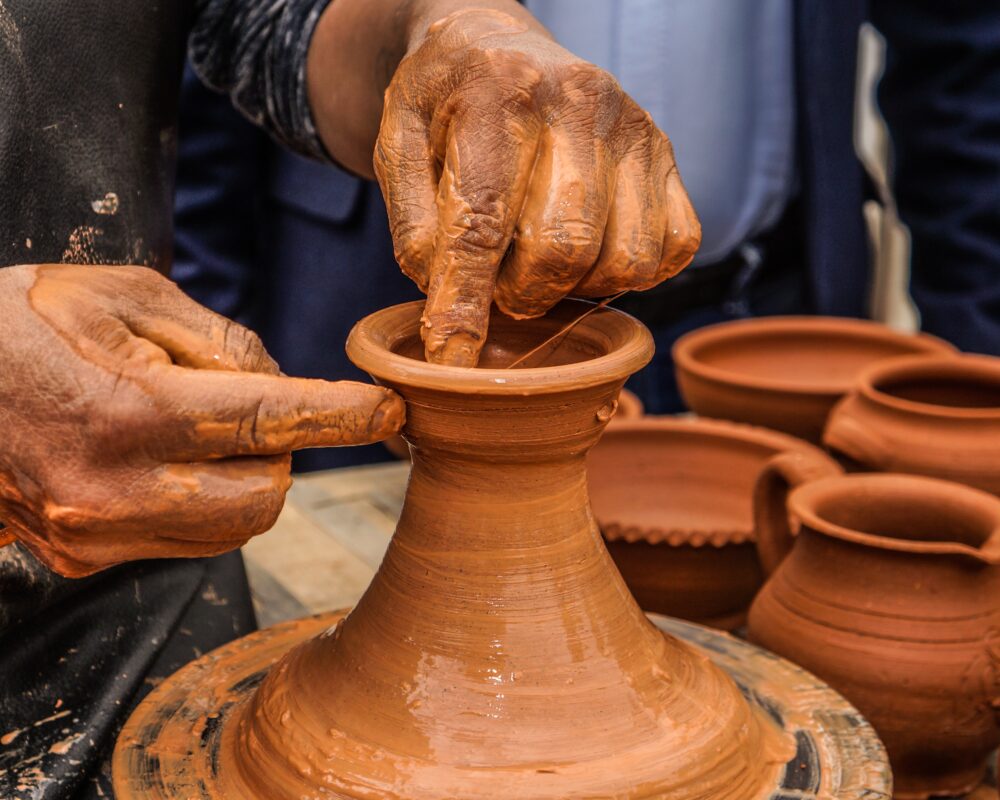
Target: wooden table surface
[{"x": 328, "y": 541}]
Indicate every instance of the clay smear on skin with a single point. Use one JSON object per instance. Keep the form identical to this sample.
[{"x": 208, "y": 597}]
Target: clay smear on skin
[{"x": 515, "y": 620}]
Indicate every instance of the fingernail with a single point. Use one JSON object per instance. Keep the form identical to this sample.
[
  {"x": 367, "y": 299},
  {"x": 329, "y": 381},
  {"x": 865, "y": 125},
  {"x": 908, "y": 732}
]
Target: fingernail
[
  {"x": 459, "y": 350},
  {"x": 389, "y": 416}
]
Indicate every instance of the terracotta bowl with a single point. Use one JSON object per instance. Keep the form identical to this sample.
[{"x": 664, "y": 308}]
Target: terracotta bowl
[
  {"x": 785, "y": 373},
  {"x": 674, "y": 499},
  {"x": 927, "y": 415}
]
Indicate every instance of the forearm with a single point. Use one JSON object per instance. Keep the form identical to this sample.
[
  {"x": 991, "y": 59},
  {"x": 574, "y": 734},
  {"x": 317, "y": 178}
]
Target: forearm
[
  {"x": 255, "y": 51},
  {"x": 353, "y": 55}
]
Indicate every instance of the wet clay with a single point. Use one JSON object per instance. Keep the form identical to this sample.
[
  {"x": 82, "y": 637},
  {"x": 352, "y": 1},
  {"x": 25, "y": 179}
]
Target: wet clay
[
  {"x": 629, "y": 407},
  {"x": 928, "y": 415},
  {"x": 785, "y": 373},
  {"x": 891, "y": 593},
  {"x": 674, "y": 500},
  {"x": 497, "y": 652},
  {"x": 162, "y": 414},
  {"x": 170, "y": 747},
  {"x": 514, "y": 171}
]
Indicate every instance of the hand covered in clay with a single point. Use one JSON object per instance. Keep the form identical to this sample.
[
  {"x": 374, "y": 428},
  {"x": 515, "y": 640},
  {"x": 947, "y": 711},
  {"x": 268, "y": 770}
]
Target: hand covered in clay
[
  {"x": 514, "y": 171},
  {"x": 135, "y": 423}
]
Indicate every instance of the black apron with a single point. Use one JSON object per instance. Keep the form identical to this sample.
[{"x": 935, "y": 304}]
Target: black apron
[{"x": 88, "y": 110}]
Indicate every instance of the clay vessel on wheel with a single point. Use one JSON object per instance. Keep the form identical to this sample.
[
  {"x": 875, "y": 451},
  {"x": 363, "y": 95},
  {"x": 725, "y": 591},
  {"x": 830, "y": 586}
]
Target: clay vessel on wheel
[{"x": 497, "y": 652}]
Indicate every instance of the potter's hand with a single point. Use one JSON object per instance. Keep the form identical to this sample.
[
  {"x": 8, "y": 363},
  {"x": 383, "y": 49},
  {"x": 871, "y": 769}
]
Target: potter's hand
[
  {"x": 514, "y": 171},
  {"x": 136, "y": 424}
]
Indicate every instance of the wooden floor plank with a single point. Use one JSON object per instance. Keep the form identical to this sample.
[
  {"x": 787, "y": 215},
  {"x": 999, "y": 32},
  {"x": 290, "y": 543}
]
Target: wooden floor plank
[
  {"x": 357, "y": 525},
  {"x": 312, "y": 567}
]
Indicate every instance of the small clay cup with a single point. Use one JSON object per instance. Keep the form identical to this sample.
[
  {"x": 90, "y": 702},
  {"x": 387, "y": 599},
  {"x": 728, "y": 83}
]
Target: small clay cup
[
  {"x": 674, "y": 499},
  {"x": 891, "y": 593},
  {"x": 784, "y": 373},
  {"x": 928, "y": 415}
]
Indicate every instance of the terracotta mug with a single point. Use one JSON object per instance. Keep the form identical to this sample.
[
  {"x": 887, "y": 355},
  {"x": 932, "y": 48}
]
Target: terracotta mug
[
  {"x": 890, "y": 591},
  {"x": 927, "y": 415}
]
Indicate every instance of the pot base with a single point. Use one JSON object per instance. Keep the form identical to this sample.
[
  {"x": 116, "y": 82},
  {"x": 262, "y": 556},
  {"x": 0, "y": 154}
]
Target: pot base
[{"x": 169, "y": 748}]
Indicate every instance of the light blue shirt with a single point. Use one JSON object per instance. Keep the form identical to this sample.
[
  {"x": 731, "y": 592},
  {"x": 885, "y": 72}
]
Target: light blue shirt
[{"x": 718, "y": 78}]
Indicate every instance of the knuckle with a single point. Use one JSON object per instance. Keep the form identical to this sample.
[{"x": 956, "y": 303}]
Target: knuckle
[
  {"x": 573, "y": 244},
  {"x": 481, "y": 227},
  {"x": 620, "y": 272},
  {"x": 637, "y": 125},
  {"x": 480, "y": 233},
  {"x": 413, "y": 246},
  {"x": 71, "y": 513},
  {"x": 512, "y": 68},
  {"x": 499, "y": 79},
  {"x": 262, "y": 509},
  {"x": 681, "y": 246},
  {"x": 590, "y": 81},
  {"x": 589, "y": 97},
  {"x": 244, "y": 345}
]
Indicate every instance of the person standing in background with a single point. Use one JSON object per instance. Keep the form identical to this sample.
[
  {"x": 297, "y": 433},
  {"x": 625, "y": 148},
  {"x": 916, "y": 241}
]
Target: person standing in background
[
  {"x": 143, "y": 438},
  {"x": 759, "y": 101}
]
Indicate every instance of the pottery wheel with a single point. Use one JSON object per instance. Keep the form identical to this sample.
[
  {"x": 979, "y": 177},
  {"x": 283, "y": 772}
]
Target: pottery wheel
[{"x": 168, "y": 749}]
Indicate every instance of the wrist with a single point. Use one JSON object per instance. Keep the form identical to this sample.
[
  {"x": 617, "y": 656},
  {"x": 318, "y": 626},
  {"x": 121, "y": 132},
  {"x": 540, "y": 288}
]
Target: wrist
[{"x": 500, "y": 16}]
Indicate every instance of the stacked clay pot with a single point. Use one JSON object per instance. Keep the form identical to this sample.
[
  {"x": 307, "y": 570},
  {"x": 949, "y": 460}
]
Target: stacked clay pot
[
  {"x": 785, "y": 373},
  {"x": 928, "y": 415},
  {"x": 674, "y": 499},
  {"x": 891, "y": 593}
]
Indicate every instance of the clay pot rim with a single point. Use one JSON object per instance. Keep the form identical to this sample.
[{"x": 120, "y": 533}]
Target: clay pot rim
[
  {"x": 692, "y": 425},
  {"x": 368, "y": 346},
  {"x": 801, "y": 502},
  {"x": 963, "y": 365},
  {"x": 685, "y": 349}
]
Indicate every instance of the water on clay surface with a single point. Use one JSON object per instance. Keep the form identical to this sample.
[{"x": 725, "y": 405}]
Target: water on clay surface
[{"x": 952, "y": 392}]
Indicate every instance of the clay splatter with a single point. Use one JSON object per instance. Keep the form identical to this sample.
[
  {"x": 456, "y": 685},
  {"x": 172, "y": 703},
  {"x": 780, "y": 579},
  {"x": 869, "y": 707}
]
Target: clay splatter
[{"x": 107, "y": 205}]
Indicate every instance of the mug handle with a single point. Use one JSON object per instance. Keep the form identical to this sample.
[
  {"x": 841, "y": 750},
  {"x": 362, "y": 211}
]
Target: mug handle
[{"x": 780, "y": 475}]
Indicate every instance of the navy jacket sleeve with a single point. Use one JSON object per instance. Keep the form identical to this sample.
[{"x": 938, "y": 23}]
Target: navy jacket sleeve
[
  {"x": 221, "y": 163},
  {"x": 255, "y": 51},
  {"x": 941, "y": 98}
]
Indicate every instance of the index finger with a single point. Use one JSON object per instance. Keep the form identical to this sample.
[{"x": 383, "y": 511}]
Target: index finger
[
  {"x": 489, "y": 155},
  {"x": 203, "y": 414}
]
